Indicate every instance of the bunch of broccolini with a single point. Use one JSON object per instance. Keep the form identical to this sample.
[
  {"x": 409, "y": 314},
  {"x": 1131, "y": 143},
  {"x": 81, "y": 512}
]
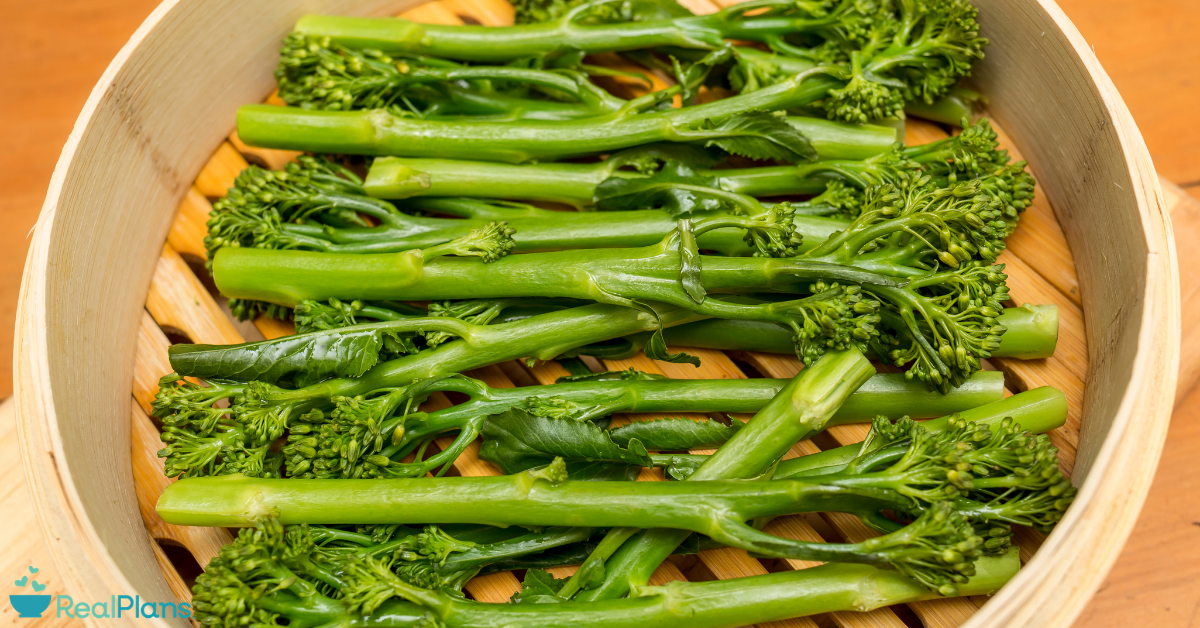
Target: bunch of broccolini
[{"x": 471, "y": 195}]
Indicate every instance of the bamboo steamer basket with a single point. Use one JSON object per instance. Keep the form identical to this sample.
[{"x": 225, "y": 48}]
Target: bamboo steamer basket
[{"x": 101, "y": 293}]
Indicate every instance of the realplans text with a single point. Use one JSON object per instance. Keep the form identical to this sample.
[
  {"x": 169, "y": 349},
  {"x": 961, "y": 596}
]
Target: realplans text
[{"x": 118, "y": 605}]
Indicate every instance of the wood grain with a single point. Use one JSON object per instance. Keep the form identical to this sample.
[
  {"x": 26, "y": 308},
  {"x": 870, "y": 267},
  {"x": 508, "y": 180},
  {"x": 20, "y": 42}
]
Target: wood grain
[
  {"x": 54, "y": 53},
  {"x": 1156, "y": 580},
  {"x": 1149, "y": 48}
]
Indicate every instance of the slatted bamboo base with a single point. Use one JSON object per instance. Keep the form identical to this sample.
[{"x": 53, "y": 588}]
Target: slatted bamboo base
[{"x": 1039, "y": 265}]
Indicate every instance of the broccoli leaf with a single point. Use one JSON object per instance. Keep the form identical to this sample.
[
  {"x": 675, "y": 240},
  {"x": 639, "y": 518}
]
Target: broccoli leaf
[
  {"x": 302, "y": 359},
  {"x": 607, "y": 12},
  {"x": 682, "y": 467},
  {"x": 676, "y": 189},
  {"x": 675, "y": 434},
  {"x": 649, "y": 158},
  {"x": 627, "y": 374},
  {"x": 517, "y": 440},
  {"x": 602, "y": 472},
  {"x": 656, "y": 346},
  {"x": 760, "y": 135},
  {"x": 539, "y": 587}
]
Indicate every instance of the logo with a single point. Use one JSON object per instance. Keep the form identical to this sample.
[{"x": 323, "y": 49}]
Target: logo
[{"x": 31, "y": 606}]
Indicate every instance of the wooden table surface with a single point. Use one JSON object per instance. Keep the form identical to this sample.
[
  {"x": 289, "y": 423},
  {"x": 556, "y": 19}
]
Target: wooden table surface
[{"x": 54, "y": 52}]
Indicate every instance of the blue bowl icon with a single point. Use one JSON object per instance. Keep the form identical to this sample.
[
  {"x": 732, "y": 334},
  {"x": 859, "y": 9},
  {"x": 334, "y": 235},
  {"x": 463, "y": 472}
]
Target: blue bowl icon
[{"x": 29, "y": 605}]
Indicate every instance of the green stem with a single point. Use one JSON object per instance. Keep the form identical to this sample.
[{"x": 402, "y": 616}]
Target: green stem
[
  {"x": 800, "y": 409},
  {"x": 543, "y": 336},
  {"x": 958, "y": 104},
  {"x": 1032, "y": 334},
  {"x": 575, "y": 184},
  {"x": 523, "y": 545},
  {"x": 883, "y": 394},
  {"x": 381, "y": 133},
  {"x": 536, "y": 230},
  {"x": 524, "y": 499},
  {"x": 888, "y": 394},
  {"x": 716, "y": 604},
  {"x": 1038, "y": 410},
  {"x": 506, "y": 43},
  {"x": 287, "y": 277}
]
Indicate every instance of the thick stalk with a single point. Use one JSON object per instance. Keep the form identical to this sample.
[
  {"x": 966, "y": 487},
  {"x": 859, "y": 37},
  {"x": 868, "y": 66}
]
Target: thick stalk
[
  {"x": 888, "y": 394},
  {"x": 575, "y": 184},
  {"x": 957, "y": 105},
  {"x": 1032, "y": 334},
  {"x": 505, "y": 43},
  {"x": 884, "y": 394},
  {"x": 523, "y": 545},
  {"x": 1038, "y": 410},
  {"x": 381, "y": 133},
  {"x": 524, "y": 499},
  {"x": 287, "y": 277},
  {"x": 716, "y": 604},
  {"x": 801, "y": 408},
  {"x": 537, "y": 230},
  {"x": 544, "y": 336}
]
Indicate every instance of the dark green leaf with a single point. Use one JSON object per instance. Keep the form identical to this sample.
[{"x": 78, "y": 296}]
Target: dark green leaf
[
  {"x": 676, "y": 189},
  {"x": 760, "y": 135},
  {"x": 691, "y": 77},
  {"x": 650, "y": 158},
  {"x": 607, "y": 376},
  {"x": 576, "y": 367},
  {"x": 572, "y": 554},
  {"x": 302, "y": 359},
  {"x": 656, "y": 346},
  {"x": 656, "y": 349},
  {"x": 621, "y": 12},
  {"x": 676, "y": 434},
  {"x": 602, "y": 472},
  {"x": 515, "y": 438},
  {"x": 539, "y": 587},
  {"x": 689, "y": 263},
  {"x": 682, "y": 467}
]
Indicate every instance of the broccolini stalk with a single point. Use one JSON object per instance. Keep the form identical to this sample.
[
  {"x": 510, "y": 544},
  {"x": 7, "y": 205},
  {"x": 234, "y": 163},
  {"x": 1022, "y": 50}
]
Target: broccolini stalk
[
  {"x": 945, "y": 322},
  {"x": 255, "y": 579},
  {"x": 878, "y": 58},
  {"x": 575, "y": 183},
  {"x": 1038, "y": 410},
  {"x": 305, "y": 207},
  {"x": 738, "y": 125},
  {"x": 1031, "y": 333},
  {"x": 974, "y": 153},
  {"x": 1023, "y": 483},
  {"x": 718, "y": 509},
  {"x": 800, "y": 409},
  {"x": 999, "y": 474},
  {"x": 315, "y": 73},
  {"x": 203, "y": 439},
  {"x": 369, "y": 437},
  {"x": 271, "y": 275},
  {"x": 591, "y": 28}
]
